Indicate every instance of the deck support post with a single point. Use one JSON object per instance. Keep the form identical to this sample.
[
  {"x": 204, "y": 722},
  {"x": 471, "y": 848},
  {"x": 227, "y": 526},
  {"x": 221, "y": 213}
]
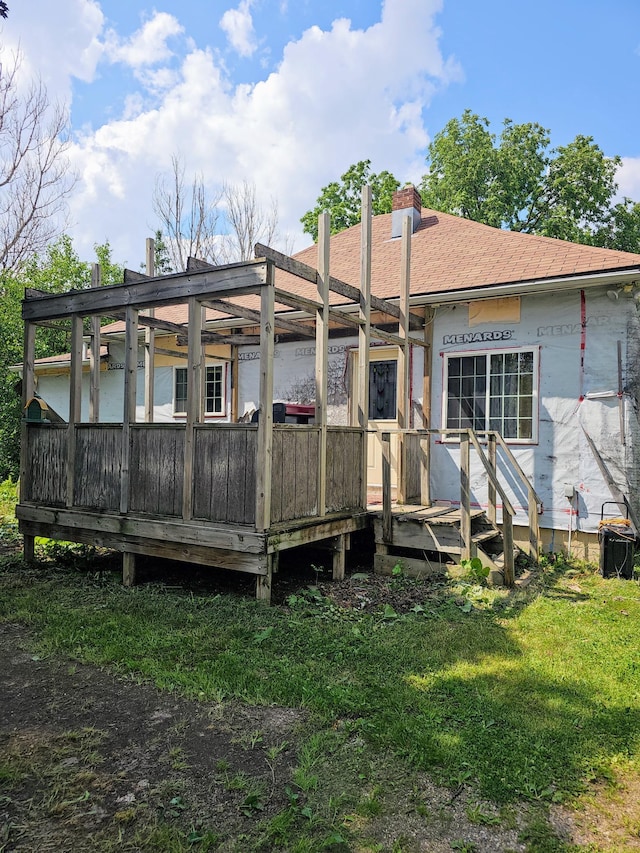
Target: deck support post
[
  {"x": 425, "y": 469},
  {"x": 429, "y": 317},
  {"x": 128, "y": 568},
  {"x": 507, "y": 538},
  {"x": 28, "y": 548},
  {"x": 465, "y": 495},
  {"x": 404, "y": 359},
  {"x": 339, "y": 558},
  {"x": 364, "y": 334},
  {"x": 263, "y": 582},
  {"x": 195, "y": 376}
]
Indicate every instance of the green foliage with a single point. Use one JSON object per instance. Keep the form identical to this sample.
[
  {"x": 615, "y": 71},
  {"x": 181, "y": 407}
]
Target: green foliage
[
  {"x": 8, "y": 500},
  {"x": 475, "y": 569},
  {"x": 162, "y": 259},
  {"x": 518, "y": 182},
  {"x": 515, "y": 181},
  {"x": 58, "y": 270},
  {"x": 344, "y": 200}
]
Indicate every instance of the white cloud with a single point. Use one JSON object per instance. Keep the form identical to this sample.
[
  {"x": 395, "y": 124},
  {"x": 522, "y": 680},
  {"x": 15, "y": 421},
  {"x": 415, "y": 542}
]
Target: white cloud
[
  {"x": 337, "y": 96},
  {"x": 147, "y": 46},
  {"x": 237, "y": 24},
  {"x": 57, "y": 42},
  {"x": 628, "y": 178}
]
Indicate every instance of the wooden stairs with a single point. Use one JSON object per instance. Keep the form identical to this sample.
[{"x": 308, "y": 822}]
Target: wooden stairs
[{"x": 423, "y": 539}]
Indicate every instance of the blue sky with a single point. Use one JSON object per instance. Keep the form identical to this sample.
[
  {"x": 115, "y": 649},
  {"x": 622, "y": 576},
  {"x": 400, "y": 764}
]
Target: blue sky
[{"x": 288, "y": 93}]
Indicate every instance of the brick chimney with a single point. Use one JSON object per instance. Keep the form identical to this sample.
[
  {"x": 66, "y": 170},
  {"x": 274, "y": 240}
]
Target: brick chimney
[{"x": 406, "y": 202}]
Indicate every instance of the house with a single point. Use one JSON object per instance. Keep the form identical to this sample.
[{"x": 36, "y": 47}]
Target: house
[{"x": 532, "y": 338}]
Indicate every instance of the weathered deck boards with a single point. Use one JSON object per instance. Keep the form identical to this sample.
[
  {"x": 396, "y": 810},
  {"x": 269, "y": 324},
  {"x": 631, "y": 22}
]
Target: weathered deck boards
[
  {"x": 294, "y": 472},
  {"x": 47, "y": 454},
  {"x": 224, "y": 475},
  {"x": 156, "y": 457},
  {"x": 344, "y": 480},
  {"x": 98, "y": 451}
]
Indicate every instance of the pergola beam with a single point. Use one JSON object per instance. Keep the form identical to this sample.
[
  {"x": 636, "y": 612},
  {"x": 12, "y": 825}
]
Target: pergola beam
[
  {"x": 234, "y": 279},
  {"x": 254, "y": 316},
  {"x": 302, "y": 270}
]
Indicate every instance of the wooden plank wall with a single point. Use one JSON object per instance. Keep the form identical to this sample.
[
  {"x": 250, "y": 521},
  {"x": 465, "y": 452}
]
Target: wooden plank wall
[
  {"x": 413, "y": 454},
  {"x": 46, "y": 468},
  {"x": 224, "y": 477},
  {"x": 224, "y": 472},
  {"x": 96, "y": 481},
  {"x": 344, "y": 480},
  {"x": 294, "y": 472},
  {"x": 157, "y": 454}
]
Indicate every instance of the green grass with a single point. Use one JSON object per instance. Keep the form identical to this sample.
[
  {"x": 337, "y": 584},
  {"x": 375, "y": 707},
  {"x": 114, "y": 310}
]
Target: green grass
[{"x": 528, "y": 698}]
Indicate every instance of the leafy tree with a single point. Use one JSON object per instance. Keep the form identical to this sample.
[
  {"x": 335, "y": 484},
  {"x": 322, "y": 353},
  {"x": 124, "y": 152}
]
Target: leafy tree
[
  {"x": 621, "y": 229},
  {"x": 59, "y": 269},
  {"x": 520, "y": 183},
  {"x": 162, "y": 260},
  {"x": 343, "y": 199}
]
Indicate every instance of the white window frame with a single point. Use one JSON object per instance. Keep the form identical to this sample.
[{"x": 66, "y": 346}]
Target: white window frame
[
  {"x": 487, "y": 353},
  {"x": 222, "y": 366}
]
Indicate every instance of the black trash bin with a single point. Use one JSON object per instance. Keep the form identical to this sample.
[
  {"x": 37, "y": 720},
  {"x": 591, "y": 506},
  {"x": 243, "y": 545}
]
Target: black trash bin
[{"x": 617, "y": 545}]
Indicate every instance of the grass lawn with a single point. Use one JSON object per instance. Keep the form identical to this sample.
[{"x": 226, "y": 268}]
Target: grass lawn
[{"x": 527, "y": 699}]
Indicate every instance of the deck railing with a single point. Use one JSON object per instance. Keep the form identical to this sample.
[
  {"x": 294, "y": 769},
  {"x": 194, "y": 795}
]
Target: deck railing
[
  {"x": 414, "y": 460},
  {"x": 224, "y": 479}
]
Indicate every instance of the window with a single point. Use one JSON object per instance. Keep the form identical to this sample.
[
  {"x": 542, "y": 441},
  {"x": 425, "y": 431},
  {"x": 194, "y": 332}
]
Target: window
[
  {"x": 382, "y": 390},
  {"x": 214, "y": 403},
  {"x": 493, "y": 390}
]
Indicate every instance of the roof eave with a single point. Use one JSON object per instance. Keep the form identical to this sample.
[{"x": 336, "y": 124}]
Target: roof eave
[{"x": 532, "y": 287}]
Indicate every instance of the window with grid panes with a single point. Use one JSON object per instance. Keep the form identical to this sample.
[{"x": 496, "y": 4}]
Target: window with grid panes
[
  {"x": 213, "y": 390},
  {"x": 493, "y": 390}
]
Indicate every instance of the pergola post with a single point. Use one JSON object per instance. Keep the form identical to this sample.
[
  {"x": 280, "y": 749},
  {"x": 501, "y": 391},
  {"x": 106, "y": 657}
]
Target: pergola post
[
  {"x": 322, "y": 355},
  {"x": 364, "y": 333},
  {"x": 94, "y": 354},
  {"x": 75, "y": 402},
  {"x": 265, "y": 419},
  {"x": 195, "y": 376},
  {"x": 28, "y": 390},
  {"x": 149, "y": 342},
  {"x": 129, "y": 417},
  {"x": 404, "y": 360}
]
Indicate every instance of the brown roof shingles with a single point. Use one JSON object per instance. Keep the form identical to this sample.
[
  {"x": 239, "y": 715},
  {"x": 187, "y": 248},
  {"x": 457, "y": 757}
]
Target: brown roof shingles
[{"x": 448, "y": 253}]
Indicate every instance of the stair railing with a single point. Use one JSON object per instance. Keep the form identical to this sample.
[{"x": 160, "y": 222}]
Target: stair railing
[{"x": 467, "y": 437}]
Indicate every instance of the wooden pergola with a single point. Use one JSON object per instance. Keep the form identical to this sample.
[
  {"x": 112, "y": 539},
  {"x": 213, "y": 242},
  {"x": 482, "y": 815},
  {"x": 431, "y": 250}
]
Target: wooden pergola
[{"x": 232, "y": 495}]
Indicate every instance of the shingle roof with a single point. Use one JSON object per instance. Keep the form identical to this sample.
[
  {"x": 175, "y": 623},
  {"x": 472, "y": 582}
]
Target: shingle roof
[{"x": 448, "y": 253}]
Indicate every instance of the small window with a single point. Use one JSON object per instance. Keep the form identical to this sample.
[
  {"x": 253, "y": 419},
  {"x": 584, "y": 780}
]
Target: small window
[
  {"x": 383, "y": 381},
  {"x": 214, "y": 402},
  {"x": 493, "y": 390}
]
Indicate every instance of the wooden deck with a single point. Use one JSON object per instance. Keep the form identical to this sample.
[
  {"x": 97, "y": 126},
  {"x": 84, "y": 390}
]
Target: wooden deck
[{"x": 222, "y": 529}]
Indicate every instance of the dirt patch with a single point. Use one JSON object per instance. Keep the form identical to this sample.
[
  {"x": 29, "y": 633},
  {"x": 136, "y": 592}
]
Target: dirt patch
[{"x": 87, "y": 753}]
